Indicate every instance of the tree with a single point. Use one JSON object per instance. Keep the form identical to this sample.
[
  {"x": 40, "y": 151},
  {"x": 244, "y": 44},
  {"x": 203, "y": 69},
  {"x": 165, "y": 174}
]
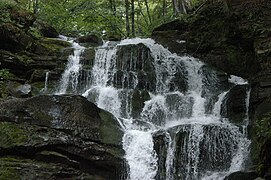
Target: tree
[
  {"x": 127, "y": 6},
  {"x": 133, "y": 17}
]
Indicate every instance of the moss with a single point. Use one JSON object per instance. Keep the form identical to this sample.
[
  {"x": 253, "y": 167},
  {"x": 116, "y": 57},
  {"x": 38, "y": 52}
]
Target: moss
[
  {"x": 35, "y": 33},
  {"x": 3, "y": 89},
  {"x": 12, "y": 135},
  {"x": 52, "y": 46},
  {"x": 56, "y": 43},
  {"x": 260, "y": 137},
  {"x": 4, "y": 74},
  {"x": 8, "y": 173},
  {"x": 24, "y": 59},
  {"x": 263, "y": 127}
]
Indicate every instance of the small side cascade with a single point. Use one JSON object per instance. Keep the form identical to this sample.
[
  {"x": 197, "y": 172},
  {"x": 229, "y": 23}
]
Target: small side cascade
[
  {"x": 152, "y": 91},
  {"x": 44, "y": 90},
  {"x": 69, "y": 79}
]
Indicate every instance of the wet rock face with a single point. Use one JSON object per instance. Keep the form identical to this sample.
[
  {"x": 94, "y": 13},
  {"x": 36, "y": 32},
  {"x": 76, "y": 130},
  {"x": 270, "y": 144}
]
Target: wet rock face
[
  {"x": 65, "y": 135},
  {"x": 194, "y": 141},
  {"x": 239, "y": 175},
  {"x": 228, "y": 42},
  {"x": 235, "y": 104},
  {"x": 137, "y": 69},
  {"x": 135, "y": 62},
  {"x": 161, "y": 144}
]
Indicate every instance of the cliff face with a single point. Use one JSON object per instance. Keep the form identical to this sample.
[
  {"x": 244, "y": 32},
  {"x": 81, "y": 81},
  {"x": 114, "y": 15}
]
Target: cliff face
[
  {"x": 47, "y": 136},
  {"x": 28, "y": 50},
  {"x": 237, "y": 42}
]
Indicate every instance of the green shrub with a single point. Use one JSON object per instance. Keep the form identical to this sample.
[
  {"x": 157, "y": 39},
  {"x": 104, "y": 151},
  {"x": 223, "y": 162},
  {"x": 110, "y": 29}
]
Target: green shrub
[
  {"x": 4, "y": 74},
  {"x": 6, "y": 4},
  {"x": 263, "y": 127}
]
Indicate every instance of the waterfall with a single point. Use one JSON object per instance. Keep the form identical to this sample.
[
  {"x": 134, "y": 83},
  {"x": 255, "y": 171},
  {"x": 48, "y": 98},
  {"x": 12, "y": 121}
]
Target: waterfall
[
  {"x": 70, "y": 76},
  {"x": 43, "y": 90},
  {"x": 169, "y": 107}
]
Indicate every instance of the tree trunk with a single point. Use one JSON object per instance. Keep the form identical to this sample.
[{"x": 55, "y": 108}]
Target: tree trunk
[
  {"x": 113, "y": 6},
  {"x": 133, "y": 17},
  {"x": 127, "y": 17},
  {"x": 175, "y": 7},
  {"x": 148, "y": 11},
  {"x": 143, "y": 15},
  {"x": 36, "y": 6},
  {"x": 182, "y": 6},
  {"x": 164, "y": 12}
]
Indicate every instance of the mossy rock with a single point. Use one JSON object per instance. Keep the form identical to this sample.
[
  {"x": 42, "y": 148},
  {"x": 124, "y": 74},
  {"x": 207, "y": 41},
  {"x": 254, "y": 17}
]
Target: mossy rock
[
  {"x": 16, "y": 168},
  {"x": 12, "y": 135},
  {"x": 50, "y": 46},
  {"x": 261, "y": 143}
]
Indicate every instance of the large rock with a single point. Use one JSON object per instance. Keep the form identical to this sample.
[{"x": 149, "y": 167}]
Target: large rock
[
  {"x": 90, "y": 40},
  {"x": 19, "y": 90},
  {"x": 222, "y": 39},
  {"x": 46, "y": 30},
  {"x": 64, "y": 135},
  {"x": 240, "y": 175},
  {"x": 14, "y": 38},
  {"x": 204, "y": 147},
  {"x": 235, "y": 105}
]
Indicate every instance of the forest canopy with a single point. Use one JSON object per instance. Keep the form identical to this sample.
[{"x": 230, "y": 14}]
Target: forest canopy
[{"x": 123, "y": 18}]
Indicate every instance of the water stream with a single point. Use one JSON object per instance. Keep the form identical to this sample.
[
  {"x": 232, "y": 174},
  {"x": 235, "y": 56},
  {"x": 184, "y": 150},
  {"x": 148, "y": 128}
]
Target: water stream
[{"x": 169, "y": 107}]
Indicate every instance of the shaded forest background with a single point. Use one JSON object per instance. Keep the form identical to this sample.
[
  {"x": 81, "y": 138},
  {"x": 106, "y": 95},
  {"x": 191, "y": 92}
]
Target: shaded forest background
[{"x": 123, "y": 18}]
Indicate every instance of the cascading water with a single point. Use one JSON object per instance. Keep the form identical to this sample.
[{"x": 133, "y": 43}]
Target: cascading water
[
  {"x": 70, "y": 76},
  {"x": 169, "y": 107},
  {"x": 43, "y": 90}
]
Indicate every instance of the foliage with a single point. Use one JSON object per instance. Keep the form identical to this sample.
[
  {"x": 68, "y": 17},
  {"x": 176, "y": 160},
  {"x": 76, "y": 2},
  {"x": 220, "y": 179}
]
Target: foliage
[
  {"x": 263, "y": 127},
  {"x": 4, "y": 74},
  {"x": 261, "y": 135},
  {"x": 35, "y": 33},
  {"x": 106, "y": 17},
  {"x": 6, "y": 4}
]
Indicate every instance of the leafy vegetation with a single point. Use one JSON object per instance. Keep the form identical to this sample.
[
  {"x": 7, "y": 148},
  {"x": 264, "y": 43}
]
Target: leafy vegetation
[
  {"x": 261, "y": 138},
  {"x": 263, "y": 127},
  {"x": 4, "y": 74},
  {"x": 7, "y": 4},
  {"x": 108, "y": 17}
]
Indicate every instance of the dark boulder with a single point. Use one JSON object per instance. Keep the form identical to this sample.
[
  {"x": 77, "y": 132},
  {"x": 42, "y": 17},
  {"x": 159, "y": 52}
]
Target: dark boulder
[
  {"x": 46, "y": 30},
  {"x": 235, "y": 105},
  {"x": 90, "y": 40},
  {"x": 14, "y": 38},
  {"x": 65, "y": 135},
  {"x": 240, "y": 175},
  {"x": 19, "y": 90}
]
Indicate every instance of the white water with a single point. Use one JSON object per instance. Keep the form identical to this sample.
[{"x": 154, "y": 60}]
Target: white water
[
  {"x": 71, "y": 73},
  {"x": 43, "y": 90},
  {"x": 171, "y": 111}
]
